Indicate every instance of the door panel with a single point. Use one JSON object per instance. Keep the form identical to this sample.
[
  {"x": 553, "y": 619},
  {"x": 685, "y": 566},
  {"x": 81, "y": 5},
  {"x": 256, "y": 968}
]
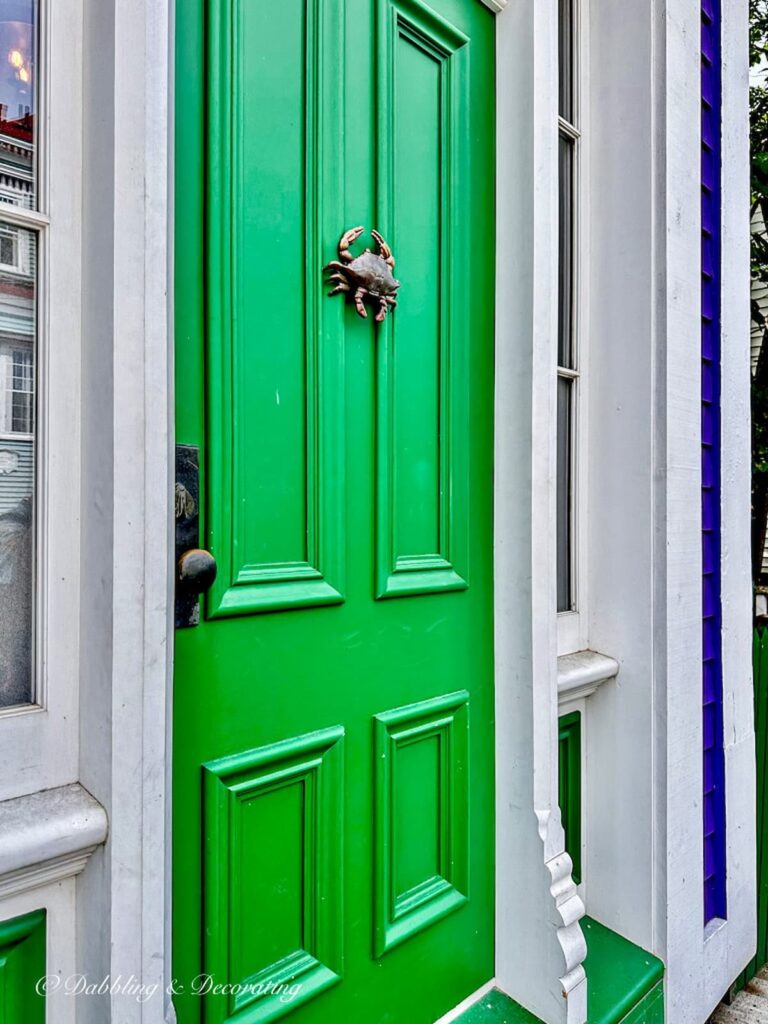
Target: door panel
[
  {"x": 333, "y": 711},
  {"x": 421, "y": 855},
  {"x": 273, "y": 888},
  {"x": 274, "y": 426},
  {"x": 422, "y": 172}
]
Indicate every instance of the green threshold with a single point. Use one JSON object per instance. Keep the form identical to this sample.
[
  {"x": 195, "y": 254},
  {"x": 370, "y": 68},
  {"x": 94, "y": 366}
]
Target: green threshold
[{"x": 626, "y": 986}]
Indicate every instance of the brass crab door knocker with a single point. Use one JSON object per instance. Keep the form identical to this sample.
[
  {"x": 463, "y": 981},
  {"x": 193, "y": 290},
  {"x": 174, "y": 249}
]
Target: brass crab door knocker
[{"x": 367, "y": 277}]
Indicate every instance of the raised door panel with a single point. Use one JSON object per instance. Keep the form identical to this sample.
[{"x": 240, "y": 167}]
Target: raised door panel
[
  {"x": 273, "y": 351},
  {"x": 422, "y": 393},
  {"x": 421, "y": 816},
  {"x": 273, "y": 877}
]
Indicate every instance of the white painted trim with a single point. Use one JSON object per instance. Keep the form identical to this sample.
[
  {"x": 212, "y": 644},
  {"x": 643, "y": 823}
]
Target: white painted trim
[
  {"x": 572, "y": 626},
  {"x": 47, "y": 825},
  {"x": 619, "y": 759},
  {"x": 54, "y": 869},
  {"x": 692, "y": 977},
  {"x": 738, "y": 693},
  {"x": 48, "y": 836},
  {"x": 539, "y": 943},
  {"x": 465, "y": 1004},
  {"x": 497, "y": 6},
  {"x": 579, "y": 675},
  {"x": 701, "y": 962},
  {"x": 126, "y": 676}
]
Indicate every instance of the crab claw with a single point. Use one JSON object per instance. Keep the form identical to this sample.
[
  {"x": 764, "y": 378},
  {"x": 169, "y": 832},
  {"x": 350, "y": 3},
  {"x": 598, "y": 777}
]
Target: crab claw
[
  {"x": 346, "y": 240},
  {"x": 384, "y": 250},
  {"x": 359, "y": 304},
  {"x": 334, "y": 265}
]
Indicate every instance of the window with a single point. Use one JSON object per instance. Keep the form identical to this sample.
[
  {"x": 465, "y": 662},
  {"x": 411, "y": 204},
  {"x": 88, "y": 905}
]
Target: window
[
  {"x": 568, "y": 369},
  {"x": 9, "y": 247},
  {"x": 21, "y": 393},
  {"x": 42, "y": 99},
  {"x": 18, "y": 341}
]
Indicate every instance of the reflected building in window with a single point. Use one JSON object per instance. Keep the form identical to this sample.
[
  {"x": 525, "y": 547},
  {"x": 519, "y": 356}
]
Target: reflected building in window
[{"x": 18, "y": 271}]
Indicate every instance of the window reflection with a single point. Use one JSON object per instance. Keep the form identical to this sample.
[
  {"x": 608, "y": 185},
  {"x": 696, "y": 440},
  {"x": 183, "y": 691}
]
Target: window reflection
[
  {"x": 17, "y": 467},
  {"x": 18, "y": 274},
  {"x": 18, "y": 59}
]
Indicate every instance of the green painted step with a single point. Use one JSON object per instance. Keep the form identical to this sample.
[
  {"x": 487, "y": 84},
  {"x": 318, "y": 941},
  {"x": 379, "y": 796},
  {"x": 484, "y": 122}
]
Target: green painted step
[
  {"x": 626, "y": 985},
  {"x": 622, "y": 977},
  {"x": 496, "y": 1008}
]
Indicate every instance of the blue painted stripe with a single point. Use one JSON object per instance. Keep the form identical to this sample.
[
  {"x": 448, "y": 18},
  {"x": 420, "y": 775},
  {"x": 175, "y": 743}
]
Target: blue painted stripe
[{"x": 715, "y": 905}]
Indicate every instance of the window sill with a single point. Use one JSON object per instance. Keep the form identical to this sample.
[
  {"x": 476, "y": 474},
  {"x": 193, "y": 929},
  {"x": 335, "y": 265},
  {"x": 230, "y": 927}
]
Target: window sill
[
  {"x": 580, "y": 674},
  {"x": 48, "y": 836}
]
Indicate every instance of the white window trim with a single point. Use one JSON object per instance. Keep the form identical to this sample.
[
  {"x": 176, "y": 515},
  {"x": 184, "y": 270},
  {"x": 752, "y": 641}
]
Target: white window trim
[
  {"x": 579, "y": 675},
  {"x": 47, "y": 836},
  {"x": 572, "y": 626},
  {"x": 39, "y": 742}
]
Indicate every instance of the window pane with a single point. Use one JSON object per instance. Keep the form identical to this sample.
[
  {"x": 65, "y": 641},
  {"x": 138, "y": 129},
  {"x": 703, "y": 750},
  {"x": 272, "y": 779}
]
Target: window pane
[
  {"x": 565, "y": 354},
  {"x": 565, "y": 41},
  {"x": 17, "y": 466},
  {"x": 564, "y": 494},
  {"x": 18, "y": 103}
]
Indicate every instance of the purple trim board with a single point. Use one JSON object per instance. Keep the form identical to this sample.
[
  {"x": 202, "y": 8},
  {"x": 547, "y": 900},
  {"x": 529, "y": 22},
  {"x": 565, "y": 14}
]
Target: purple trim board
[{"x": 715, "y": 903}]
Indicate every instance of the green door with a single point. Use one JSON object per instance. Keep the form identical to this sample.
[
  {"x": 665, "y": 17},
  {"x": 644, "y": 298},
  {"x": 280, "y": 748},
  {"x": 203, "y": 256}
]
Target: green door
[{"x": 333, "y": 757}]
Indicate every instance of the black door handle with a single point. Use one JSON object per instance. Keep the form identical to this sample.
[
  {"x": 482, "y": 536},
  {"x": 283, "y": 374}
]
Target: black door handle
[{"x": 196, "y": 570}]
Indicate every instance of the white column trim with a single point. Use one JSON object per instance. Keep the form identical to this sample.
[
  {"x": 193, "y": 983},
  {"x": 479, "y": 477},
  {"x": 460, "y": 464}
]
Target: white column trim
[
  {"x": 736, "y": 467},
  {"x": 126, "y": 679},
  {"x": 701, "y": 962},
  {"x": 540, "y": 947}
]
